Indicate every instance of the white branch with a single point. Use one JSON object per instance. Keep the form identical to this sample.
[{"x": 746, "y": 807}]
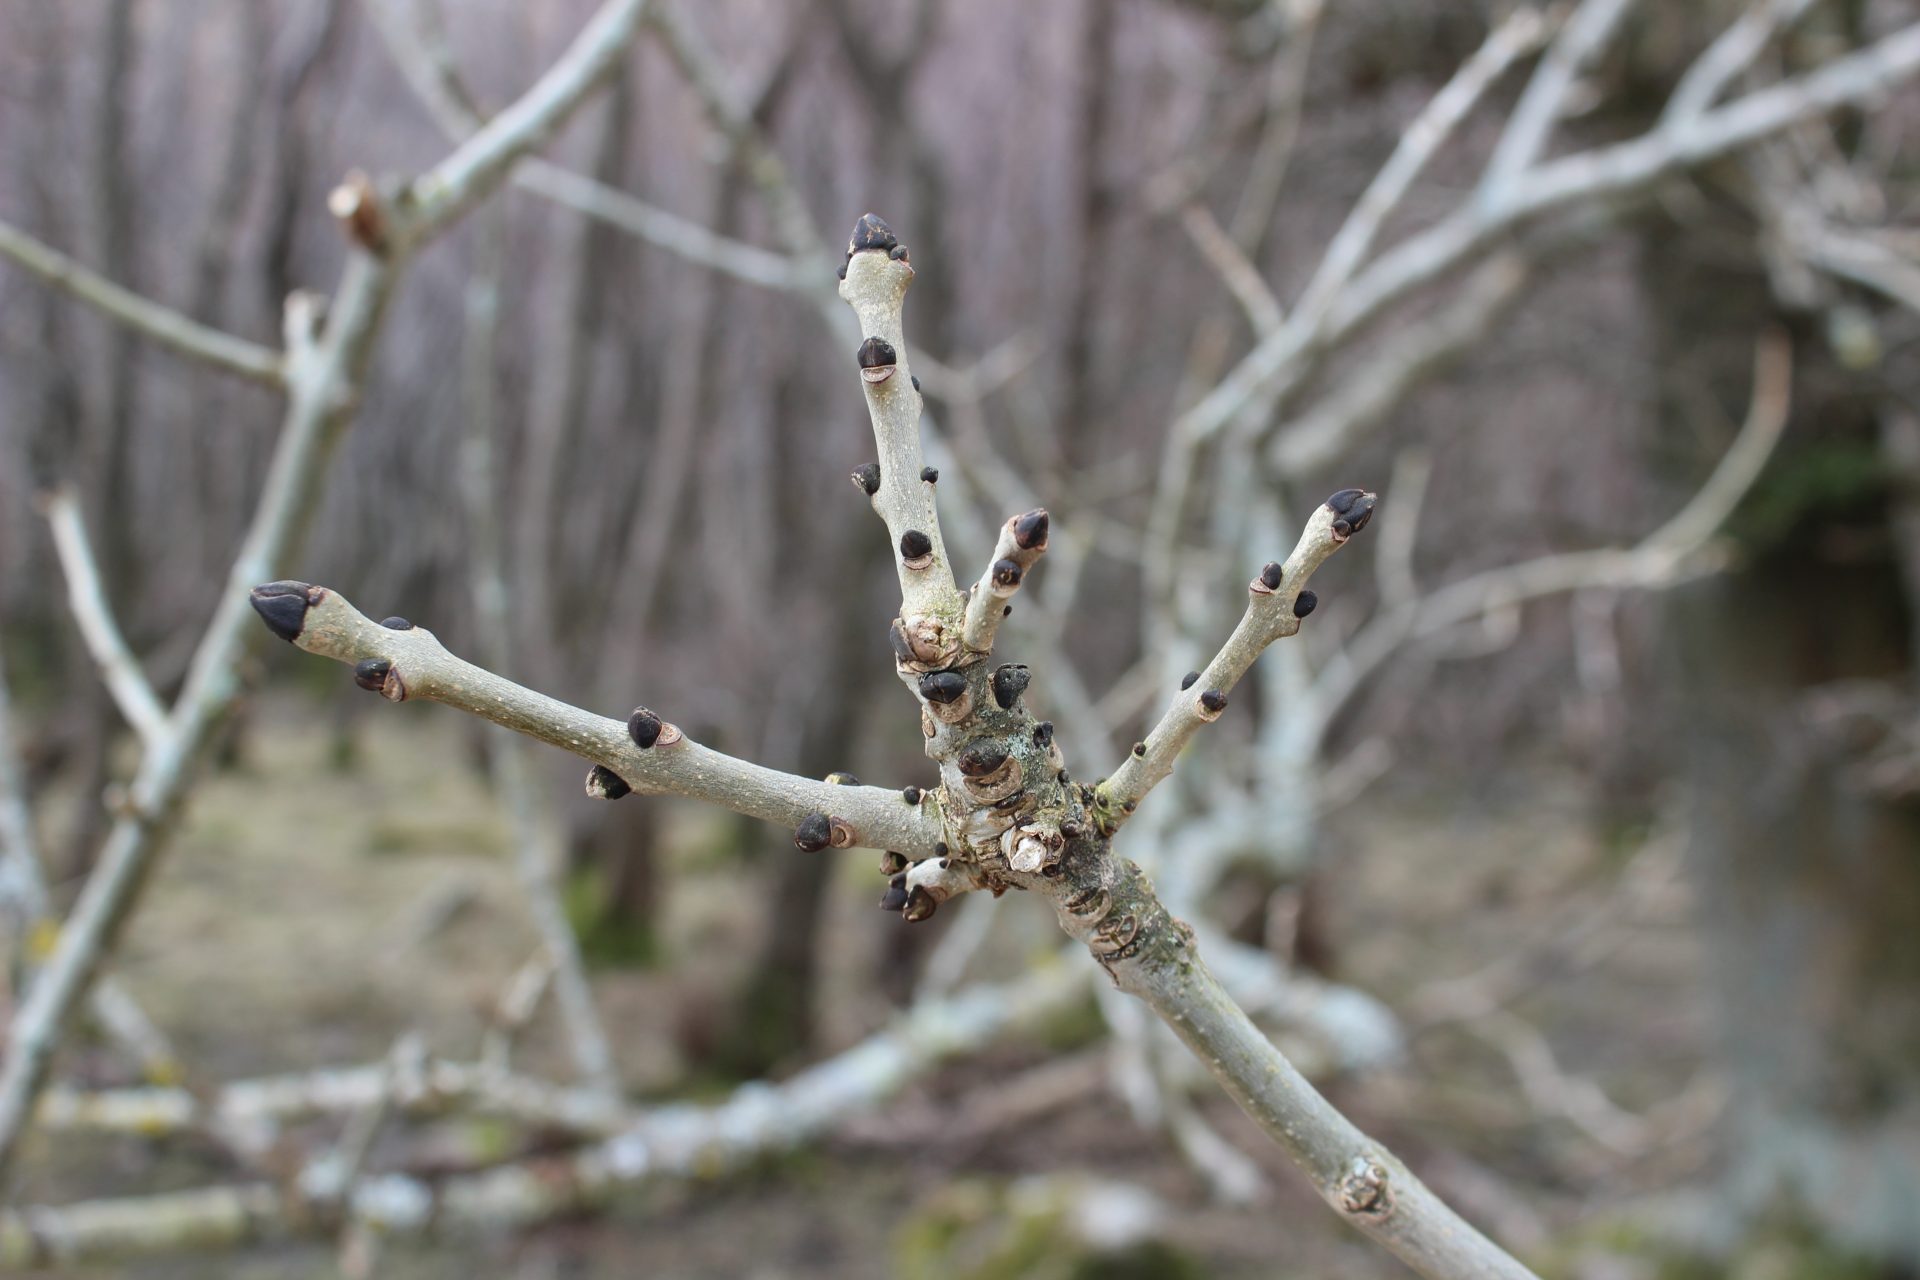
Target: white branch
[
  {"x": 410, "y": 663},
  {"x": 1580, "y": 41},
  {"x": 87, "y": 599},
  {"x": 1275, "y": 606},
  {"x": 678, "y": 1141},
  {"x": 1677, "y": 549},
  {"x": 168, "y": 327},
  {"x": 484, "y": 160},
  {"x": 1512, "y": 40}
]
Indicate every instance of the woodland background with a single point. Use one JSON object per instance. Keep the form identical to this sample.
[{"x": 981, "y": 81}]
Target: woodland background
[{"x": 1634, "y": 870}]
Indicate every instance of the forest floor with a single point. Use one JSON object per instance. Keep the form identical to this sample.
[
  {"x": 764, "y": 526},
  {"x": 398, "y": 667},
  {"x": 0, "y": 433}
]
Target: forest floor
[{"x": 309, "y": 915}]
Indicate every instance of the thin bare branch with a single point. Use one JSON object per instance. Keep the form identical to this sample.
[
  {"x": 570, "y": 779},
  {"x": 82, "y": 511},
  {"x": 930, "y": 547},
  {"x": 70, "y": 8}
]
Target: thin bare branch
[
  {"x": 411, "y": 664},
  {"x": 325, "y": 367},
  {"x": 1344, "y": 416},
  {"x": 429, "y": 70},
  {"x": 1547, "y": 95},
  {"x": 669, "y": 1142},
  {"x": 1678, "y": 549},
  {"x": 1609, "y": 173},
  {"x": 169, "y": 328},
  {"x": 1277, "y": 601},
  {"x": 1512, "y": 40},
  {"x": 93, "y": 615},
  {"x": 1023, "y": 540},
  {"x": 1235, "y": 270},
  {"x": 483, "y": 161},
  {"x": 1728, "y": 57},
  {"x": 875, "y": 286}
]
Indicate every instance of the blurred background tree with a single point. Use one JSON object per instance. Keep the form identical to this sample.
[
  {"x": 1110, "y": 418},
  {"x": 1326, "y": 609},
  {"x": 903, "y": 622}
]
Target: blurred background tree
[{"x": 1110, "y": 205}]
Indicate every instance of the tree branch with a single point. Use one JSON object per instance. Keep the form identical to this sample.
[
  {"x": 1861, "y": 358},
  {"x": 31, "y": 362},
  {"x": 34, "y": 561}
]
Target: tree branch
[
  {"x": 1276, "y": 602},
  {"x": 1545, "y": 100},
  {"x": 1512, "y": 40},
  {"x": 325, "y": 368},
  {"x": 94, "y": 616},
  {"x": 875, "y": 286},
  {"x": 679, "y": 1141},
  {"x": 165, "y": 326},
  {"x": 409, "y": 663},
  {"x": 483, "y": 161},
  {"x": 1606, "y": 173}
]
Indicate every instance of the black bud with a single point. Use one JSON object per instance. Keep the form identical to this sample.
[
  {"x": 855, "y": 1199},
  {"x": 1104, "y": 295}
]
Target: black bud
[
  {"x": 1007, "y": 612},
  {"x": 1270, "y": 575},
  {"x": 1073, "y": 828},
  {"x": 1006, "y": 573},
  {"x": 914, "y": 378},
  {"x": 897, "y": 637},
  {"x": 1009, "y": 682},
  {"x": 876, "y": 353},
  {"x": 871, "y": 233},
  {"x": 1351, "y": 508},
  {"x": 981, "y": 756},
  {"x": 920, "y": 905},
  {"x": 867, "y": 476},
  {"x": 1186, "y": 681},
  {"x": 910, "y": 794},
  {"x": 604, "y": 784},
  {"x": 283, "y": 606},
  {"x": 914, "y": 544},
  {"x": 372, "y": 674},
  {"x": 929, "y": 474},
  {"x": 1043, "y": 734},
  {"x": 896, "y": 895},
  {"x": 1214, "y": 701},
  {"x": 940, "y": 847},
  {"x": 942, "y": 686},
  {"x": 1030, "y": 530},
  {"x": 643, "y": 726},
  {"x": 1062, "y": 776},
  {"x": 892, "y": 864},
  {"x": 898, "y": 253},
  {"x": 842, "y": 273},
  {"x": 1305, "y": 603},
  {"x": 1140, "y": 748},
  {"x": 396, "y": 624},
  {"x": 841, "y": 778},
  {"x": 814, "y": 833}
]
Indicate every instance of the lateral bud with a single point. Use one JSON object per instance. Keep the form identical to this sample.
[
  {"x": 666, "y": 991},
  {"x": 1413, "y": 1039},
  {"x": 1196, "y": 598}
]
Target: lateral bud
[
  {"x": 644, "y": 727},
  {"x": 867, "y": 476},
  {"x": 377, "y": 675},
  {"x": 981, "y": 757},
  {"x": 1305, "y": 603},
  {"x": 1009, "y": 682},
  {"x": 604, "y": 784},
  {"x": 916, "y": 549},
  {"x": 1210, "y": 704},
  {"x": 877, "y": 360},
  {"x": 1268, "y": 579},
  {"x": 892, "y": 863},
  {"x": 814, "y": 833},
  {"x": 920, "y": 905}
]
